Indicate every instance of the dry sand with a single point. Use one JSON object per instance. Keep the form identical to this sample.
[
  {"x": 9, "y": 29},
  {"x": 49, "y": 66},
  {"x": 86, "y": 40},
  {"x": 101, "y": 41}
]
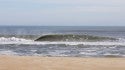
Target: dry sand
[{"x": 60, "y": 63}]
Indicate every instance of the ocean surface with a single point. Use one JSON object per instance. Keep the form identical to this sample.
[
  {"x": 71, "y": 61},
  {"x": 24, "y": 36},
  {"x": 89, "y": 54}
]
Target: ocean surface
[{"x": 63, "y": 41}]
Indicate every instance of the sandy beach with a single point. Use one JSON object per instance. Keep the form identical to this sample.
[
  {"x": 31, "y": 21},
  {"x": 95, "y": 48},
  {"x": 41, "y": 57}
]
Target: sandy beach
[{"x": 60, "y": 63}]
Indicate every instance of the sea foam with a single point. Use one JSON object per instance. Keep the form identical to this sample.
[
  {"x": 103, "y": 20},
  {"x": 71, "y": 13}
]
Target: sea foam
[{"x": 14, "y": 40}]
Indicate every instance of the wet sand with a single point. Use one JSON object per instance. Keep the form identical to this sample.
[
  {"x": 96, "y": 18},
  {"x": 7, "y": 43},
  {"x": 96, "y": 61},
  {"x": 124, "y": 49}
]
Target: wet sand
[{"x": 60, "y": 63}]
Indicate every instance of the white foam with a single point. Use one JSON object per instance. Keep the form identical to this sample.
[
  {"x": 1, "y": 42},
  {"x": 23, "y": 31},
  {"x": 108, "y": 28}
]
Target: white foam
[
  {"x": 85, "y": 53},
  {"x": 83, "y": 43},
  {"x": 8, "y": 52},
  {"x": 14, "y": 40},
  {"x": 66, "y": 43}
]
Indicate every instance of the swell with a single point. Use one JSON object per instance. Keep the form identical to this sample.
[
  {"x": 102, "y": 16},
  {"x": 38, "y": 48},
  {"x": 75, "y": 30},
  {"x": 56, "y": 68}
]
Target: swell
[{"x": 72, "y": 38}]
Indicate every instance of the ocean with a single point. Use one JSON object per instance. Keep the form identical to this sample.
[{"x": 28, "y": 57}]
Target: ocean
[{"x": 63, "y": 41}]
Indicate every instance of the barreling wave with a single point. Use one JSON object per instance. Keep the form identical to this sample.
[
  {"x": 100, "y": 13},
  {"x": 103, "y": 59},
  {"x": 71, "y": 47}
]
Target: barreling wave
[
  {"x": 58, "y": 39},
  {"x": 19, "y": 41},
  {"x": 72, "y": 38}
]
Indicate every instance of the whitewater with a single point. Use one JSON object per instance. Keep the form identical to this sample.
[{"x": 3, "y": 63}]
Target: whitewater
[{"x": 14, "y": 40}]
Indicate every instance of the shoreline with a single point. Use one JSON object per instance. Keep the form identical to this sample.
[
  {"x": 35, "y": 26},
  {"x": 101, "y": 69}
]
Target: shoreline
[{"x": 8, "y": 62}]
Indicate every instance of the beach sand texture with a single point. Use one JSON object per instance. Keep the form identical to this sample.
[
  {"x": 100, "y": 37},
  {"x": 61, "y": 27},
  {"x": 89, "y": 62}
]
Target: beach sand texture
[{"x": 60, "y": 63}]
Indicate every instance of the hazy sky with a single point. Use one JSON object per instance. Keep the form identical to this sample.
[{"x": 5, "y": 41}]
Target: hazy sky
[{"x": 63, "y": 12}]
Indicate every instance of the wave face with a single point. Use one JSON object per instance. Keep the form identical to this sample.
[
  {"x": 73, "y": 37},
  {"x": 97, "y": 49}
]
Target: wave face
[{"x": 71, "y": 38}]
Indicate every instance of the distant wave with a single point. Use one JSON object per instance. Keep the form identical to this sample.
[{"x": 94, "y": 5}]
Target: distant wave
[{"x": 72, "y": 38}]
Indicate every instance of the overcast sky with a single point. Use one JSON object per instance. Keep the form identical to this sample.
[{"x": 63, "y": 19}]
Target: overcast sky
[{"x": 63, "y": 12}]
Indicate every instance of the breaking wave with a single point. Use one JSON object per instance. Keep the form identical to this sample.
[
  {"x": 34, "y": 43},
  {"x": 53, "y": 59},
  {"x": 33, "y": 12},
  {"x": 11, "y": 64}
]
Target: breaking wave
[
  {"x": 14, "y": 40},
  {"x": 63, "y": 39},
  {"x": 72, "y": 38}
]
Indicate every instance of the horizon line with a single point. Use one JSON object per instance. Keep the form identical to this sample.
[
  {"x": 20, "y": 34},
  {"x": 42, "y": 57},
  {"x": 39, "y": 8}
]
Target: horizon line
[{"x": 68, "y": 25}]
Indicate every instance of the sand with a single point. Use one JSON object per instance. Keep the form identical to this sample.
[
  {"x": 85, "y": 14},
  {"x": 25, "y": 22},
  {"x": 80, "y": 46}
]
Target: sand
[{"x": 60, "y": 63}]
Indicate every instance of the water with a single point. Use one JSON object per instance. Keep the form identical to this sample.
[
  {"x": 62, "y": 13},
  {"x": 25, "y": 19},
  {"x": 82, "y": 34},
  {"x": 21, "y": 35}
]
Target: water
[{"x": 81, "y": 41}]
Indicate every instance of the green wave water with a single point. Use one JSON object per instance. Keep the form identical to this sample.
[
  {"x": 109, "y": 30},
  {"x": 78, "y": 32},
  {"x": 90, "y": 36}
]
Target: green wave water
[{"x": 71, "y": 37}]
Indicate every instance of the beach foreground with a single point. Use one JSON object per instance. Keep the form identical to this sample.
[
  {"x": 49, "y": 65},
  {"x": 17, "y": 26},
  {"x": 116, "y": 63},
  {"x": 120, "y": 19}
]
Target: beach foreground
[{"x": 60, "y": 63}]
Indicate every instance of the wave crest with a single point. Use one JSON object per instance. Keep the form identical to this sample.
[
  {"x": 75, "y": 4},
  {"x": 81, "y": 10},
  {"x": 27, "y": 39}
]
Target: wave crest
[{"x": 70, "y": 37}]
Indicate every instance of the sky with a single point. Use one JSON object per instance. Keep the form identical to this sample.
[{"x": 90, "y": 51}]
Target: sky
[{"x": 62, "y": 12}]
